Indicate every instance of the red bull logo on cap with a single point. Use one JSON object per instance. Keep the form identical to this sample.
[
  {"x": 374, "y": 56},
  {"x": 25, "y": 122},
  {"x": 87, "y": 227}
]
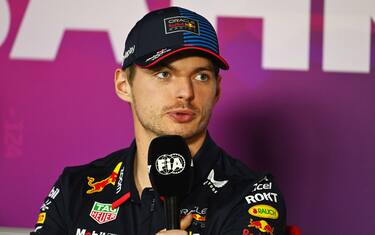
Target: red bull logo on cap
[
  {"x": 261, "y": 225},
  {"x": 100, "y": 185}
]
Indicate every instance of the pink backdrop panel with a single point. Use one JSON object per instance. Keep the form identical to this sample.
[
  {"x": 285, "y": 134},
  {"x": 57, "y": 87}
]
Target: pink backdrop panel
[{"x": 313, "y": 130}]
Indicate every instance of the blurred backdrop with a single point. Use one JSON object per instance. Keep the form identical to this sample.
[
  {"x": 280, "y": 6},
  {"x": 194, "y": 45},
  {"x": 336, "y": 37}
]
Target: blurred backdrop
[{"x": 298, "y": 100}]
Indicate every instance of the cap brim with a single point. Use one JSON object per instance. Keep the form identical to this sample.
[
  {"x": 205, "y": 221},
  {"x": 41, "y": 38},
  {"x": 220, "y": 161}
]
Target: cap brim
[{"x": 220, "y": 61}]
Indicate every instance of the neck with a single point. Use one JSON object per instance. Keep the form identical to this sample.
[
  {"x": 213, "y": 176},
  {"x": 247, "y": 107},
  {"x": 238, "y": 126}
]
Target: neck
[
  {"x": 195, "y": 143},
  {"x": 141, "y": 177}
]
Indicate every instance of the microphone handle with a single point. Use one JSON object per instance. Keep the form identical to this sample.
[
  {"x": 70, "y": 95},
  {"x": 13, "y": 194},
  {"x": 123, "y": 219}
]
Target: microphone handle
[{"x": 172, "y": 212}]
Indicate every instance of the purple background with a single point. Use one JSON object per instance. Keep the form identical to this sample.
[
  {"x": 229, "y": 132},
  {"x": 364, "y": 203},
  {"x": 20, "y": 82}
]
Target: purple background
[{"x": 313, "y": 130}]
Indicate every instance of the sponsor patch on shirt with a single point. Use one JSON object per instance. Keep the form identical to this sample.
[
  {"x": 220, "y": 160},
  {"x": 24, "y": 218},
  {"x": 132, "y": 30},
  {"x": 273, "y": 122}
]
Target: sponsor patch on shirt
[
  {"x": 103, "y": 212},
  {"x": 54, "y": 192},
  {"x": 119, "y": 182},
  {"x": 264, "y": 211},
  {"x": 83, "y": 231},
  {"x": 41, "y": 218},
  {"x": 51, "y": 196},
  {"x": 100, "y": 185},
  {"x": 199, "y": 215},
  {"x": 213, "y": 183},
  {"x": 260, "y": 225},
  {"x": 260, "y": 197},
  {"x": 264, "y": 186}
]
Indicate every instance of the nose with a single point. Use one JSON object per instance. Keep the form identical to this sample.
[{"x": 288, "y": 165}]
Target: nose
[{"x": 184, "y": 89}]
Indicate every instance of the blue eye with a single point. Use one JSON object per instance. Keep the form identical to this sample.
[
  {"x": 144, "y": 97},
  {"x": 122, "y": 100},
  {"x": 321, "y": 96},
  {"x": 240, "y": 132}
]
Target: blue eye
[
  {"x": 202, "y": 77},
  {"x": 162, "y": 75}
]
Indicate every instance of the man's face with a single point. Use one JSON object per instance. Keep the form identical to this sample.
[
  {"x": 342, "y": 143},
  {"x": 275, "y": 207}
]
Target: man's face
[{"x": 174, "y": 99}]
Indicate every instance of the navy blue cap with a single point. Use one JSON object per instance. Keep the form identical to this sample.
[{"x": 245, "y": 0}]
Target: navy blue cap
[{"x": 165, "y": 32}]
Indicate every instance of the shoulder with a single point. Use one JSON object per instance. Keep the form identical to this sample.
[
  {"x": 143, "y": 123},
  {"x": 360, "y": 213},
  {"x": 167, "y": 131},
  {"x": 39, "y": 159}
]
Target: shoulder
[
  {"x": 264, "y": 208},
  {"x": 77, "y": 181},
  {"x": 96, "y": 167},
  {"x": 253, "y": 201},
  {"x": 61, "y": 206},
  {"x": 234, "y": 169}
]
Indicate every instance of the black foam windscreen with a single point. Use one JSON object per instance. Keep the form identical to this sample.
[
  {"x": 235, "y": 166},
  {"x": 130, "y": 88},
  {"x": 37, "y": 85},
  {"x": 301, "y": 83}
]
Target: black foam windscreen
[{"x": 170, "y": 165}]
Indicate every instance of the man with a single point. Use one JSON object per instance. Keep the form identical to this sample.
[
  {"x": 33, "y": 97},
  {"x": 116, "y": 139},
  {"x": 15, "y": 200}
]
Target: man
[{"x": 170, "y": 77}]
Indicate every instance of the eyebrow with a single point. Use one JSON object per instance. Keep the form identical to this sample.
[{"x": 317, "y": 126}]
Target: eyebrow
[{"x": 172, "y": 68}]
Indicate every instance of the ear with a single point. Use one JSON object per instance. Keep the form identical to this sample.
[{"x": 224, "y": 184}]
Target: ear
[
  {"x": 122, "y": 86},
  {"x": 218, "y": 88}
]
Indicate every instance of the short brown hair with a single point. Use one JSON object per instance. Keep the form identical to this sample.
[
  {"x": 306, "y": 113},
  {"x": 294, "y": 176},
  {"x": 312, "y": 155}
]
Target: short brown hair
[{"x": 130, "y": 73}]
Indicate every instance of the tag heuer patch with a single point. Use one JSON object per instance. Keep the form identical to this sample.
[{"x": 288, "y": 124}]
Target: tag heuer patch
[
  {"x": 181, "y": 23},
  {"x": 103, "y": 213}
]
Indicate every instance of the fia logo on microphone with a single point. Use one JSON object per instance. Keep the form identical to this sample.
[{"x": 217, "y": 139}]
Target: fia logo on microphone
[{"x": 168, "y": 164}]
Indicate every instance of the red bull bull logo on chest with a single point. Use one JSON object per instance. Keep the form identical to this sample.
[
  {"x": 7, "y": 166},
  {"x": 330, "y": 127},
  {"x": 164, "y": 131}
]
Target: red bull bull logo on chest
[
  {"x": 261, "y": 225},
  {"x": 100, "y": 185}
]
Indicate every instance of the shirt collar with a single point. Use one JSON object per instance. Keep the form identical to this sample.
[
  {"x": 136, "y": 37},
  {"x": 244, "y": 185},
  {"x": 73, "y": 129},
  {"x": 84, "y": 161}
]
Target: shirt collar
[
  {"x": 204, "y": 161},
  {"x": 128, "y": 184}
]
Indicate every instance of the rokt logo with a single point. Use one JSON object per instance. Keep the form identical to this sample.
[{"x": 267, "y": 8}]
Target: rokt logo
[{"x": 258, "y": 197}]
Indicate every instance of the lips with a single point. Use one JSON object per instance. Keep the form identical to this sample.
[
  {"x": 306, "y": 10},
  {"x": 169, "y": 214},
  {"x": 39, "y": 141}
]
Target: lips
[{"x": 181, "y": 115}]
